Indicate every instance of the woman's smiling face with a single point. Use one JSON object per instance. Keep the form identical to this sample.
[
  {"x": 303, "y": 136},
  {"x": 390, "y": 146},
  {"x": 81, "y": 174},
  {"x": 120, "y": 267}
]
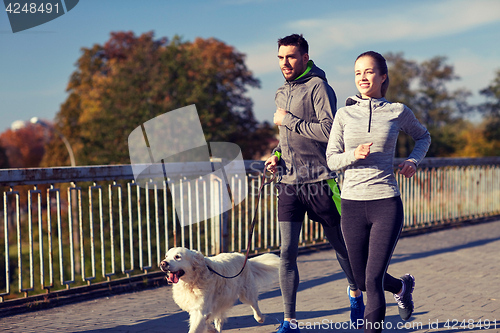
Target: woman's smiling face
[{"x": 367, "y": 77}]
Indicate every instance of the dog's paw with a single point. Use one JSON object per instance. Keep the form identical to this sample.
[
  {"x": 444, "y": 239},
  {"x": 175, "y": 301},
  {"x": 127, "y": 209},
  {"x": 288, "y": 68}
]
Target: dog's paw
[{"x": 260, "y": 319}]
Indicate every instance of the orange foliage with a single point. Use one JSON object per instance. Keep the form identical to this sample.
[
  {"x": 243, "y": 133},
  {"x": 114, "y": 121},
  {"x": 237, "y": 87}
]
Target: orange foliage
[
  {"x": 131, "y": 79},
  {"x": 25, "y": 147},
  {"x": 475, "y": 143}
]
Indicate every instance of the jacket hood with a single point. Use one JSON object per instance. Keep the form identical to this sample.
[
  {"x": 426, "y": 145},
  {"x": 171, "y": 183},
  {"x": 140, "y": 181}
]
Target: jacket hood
[
  {"x": 357, "y": 99},
  {"x": 353, "y": 100},
  {"x": 311, "y": 71}
]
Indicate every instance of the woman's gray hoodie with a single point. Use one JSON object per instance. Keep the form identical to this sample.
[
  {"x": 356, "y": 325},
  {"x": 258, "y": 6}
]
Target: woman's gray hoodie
[
  {"x": 303, "y": 134},
  {"x": 378, "y": 121}
]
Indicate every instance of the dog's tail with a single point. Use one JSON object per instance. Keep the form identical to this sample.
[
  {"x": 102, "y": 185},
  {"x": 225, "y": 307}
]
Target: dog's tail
[{"x": 265, "y": 267}]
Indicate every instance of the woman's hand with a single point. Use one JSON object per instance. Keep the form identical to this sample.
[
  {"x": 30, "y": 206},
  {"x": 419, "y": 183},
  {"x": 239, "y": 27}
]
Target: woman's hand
[
  {"x": 408, "y": 169},
  {"x": 362, "y": 151}
]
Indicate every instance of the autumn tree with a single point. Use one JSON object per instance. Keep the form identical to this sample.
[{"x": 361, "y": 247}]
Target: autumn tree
[
  {"x": 423, "y": 88},
  {"x": 23, "y": 147},
  {"x": 129, "y": 80},
  {"x": 475, "y": 143},
  {"x": 4, "y": 160}
]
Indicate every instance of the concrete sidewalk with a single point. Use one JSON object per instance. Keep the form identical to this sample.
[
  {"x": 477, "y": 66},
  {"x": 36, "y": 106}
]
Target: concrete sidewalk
[{"x": 457, "y": 289}]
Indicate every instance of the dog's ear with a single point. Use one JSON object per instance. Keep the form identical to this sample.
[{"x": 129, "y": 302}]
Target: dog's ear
[
  {"x": 198, "y": 262},
  {"x": 199, "y": 265}
]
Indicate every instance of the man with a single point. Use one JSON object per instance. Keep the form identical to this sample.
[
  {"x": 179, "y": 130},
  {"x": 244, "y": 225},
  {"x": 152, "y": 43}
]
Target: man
[{"x": 305, "y": 108}]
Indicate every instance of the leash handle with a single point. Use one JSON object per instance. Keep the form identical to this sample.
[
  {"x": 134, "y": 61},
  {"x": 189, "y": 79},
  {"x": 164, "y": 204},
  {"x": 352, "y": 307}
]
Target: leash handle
[{"x": 252, "y": 226}]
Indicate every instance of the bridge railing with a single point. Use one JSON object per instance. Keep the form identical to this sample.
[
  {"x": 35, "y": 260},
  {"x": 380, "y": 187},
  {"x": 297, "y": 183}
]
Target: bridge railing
[{"x": 67, "y": 227}]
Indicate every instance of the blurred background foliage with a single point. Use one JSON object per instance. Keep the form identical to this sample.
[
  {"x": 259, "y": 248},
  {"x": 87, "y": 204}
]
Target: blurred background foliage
[{"x": 131, "y": 79}]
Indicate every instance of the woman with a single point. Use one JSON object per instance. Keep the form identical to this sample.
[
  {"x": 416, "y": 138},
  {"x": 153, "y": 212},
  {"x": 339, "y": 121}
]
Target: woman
[{"x": 362, "y": 142}]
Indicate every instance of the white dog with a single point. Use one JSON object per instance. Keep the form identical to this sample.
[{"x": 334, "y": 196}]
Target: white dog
[{"x": 207, "y": 296}]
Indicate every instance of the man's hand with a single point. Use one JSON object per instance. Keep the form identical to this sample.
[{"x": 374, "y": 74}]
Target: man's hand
[
  {"x": 362, "y": 151},
  {"x": 279, "y": 115},
  {"x": 408, "y": 169},
  {"x": 272, "y": 164}
]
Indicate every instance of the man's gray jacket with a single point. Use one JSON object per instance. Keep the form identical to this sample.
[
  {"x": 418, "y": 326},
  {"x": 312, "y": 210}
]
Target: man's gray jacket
[{"x": 303, "y": 135}]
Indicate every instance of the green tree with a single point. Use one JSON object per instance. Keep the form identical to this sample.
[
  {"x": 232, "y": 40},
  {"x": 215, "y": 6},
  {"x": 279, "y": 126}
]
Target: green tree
[
  {"x": 491, "y": 112},
  {"x": 132, "y": 79},
  {"x": 423, "y": 88},
  {"x": 402, "y": 74}
]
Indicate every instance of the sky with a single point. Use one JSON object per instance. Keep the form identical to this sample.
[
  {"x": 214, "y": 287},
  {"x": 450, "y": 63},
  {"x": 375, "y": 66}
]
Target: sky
[{"x": 36, "y": 64}]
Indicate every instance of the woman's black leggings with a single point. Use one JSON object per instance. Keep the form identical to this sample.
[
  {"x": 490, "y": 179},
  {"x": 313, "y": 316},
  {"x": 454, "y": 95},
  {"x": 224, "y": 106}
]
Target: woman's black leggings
[{"x": 371, "y": 230}]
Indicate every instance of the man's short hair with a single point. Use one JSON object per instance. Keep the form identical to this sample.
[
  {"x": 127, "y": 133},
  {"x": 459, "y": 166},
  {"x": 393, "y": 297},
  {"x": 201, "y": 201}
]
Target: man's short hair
[{"x": 295, "y": 40}]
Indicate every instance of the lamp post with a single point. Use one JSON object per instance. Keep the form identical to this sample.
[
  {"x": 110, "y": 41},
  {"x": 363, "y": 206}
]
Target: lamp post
[{"x": 35, "y": 120}]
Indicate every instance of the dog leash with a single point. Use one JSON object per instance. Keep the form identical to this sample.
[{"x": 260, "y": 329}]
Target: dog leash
[{"x": 252, "y": 226}]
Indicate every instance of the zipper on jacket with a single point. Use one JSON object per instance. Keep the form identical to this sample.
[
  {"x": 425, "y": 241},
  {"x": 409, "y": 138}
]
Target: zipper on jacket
[
  {"x": 370, "y": 118},
  {"x": 289, "y": 102}
]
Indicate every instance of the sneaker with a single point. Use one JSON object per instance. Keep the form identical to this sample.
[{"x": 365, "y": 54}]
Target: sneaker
[
  {"x": 405, "y": 302},
  {"x": 285, "y": 327},
  {"x": 357, "y": 308}
]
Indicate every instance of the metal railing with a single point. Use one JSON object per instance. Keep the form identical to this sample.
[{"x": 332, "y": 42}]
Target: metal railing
[{"x": 67, "y": 227}]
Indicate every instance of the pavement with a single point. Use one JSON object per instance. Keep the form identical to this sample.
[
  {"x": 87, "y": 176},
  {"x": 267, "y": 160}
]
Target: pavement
[{"x": 457, "y": 289}]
